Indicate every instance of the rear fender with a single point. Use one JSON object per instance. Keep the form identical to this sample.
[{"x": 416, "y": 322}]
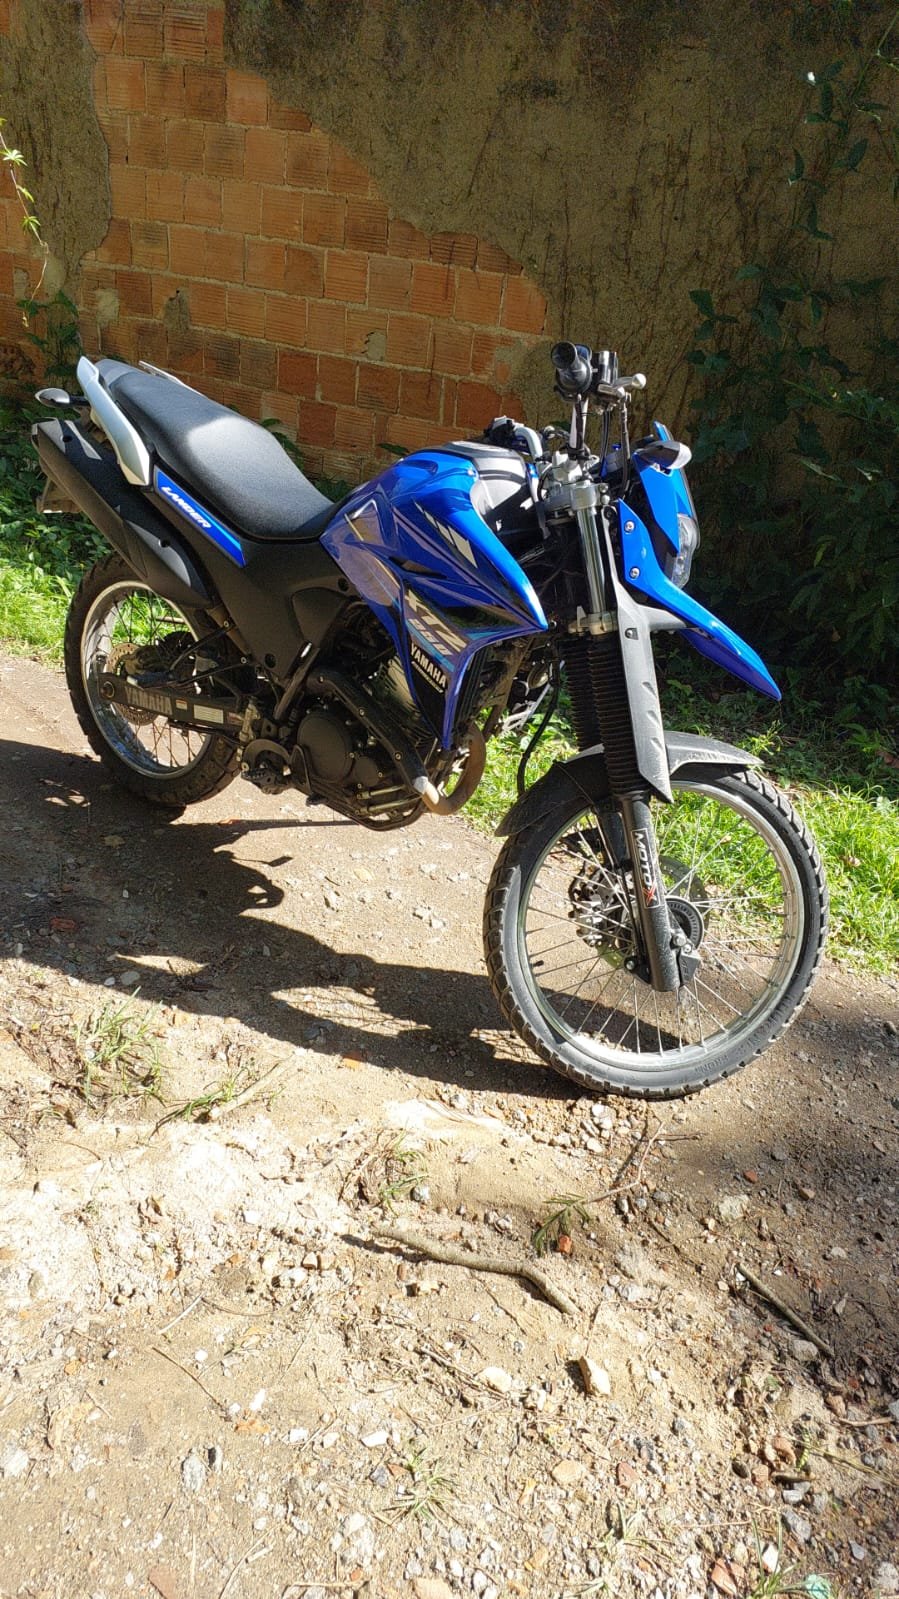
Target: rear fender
[{"x": 584, "y": 776}]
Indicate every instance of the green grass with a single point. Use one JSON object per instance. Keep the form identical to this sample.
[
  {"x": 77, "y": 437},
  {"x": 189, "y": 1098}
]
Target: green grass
[{"x": 835, "y": 763}]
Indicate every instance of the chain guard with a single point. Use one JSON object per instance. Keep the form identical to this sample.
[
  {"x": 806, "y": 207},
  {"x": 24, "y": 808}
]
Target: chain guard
[{"x": 130, "y": 660}]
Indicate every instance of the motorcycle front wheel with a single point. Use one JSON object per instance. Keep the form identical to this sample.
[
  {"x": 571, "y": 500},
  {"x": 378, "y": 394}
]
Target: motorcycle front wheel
[{"x": 743, "y": 881}]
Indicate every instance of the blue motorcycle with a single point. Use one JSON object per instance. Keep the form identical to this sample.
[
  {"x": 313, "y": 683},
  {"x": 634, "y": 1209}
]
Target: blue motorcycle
[{"x": 657, "y": 911}]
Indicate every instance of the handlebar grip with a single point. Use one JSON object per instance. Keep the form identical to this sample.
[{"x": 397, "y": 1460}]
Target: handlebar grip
[{"x": 574, "y": 374}]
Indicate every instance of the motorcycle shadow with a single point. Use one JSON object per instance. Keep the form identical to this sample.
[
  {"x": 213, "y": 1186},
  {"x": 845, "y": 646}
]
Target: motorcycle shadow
[{"x": 94, "y": 882}]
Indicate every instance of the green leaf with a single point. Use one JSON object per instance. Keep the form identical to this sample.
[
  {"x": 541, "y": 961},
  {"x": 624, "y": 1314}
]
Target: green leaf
[
  {"x": 798, "y": 169},
  {"x": 703, "y": 301},
  {"x": 855, "y": 155},
  {"x": 750, "y": 271}
]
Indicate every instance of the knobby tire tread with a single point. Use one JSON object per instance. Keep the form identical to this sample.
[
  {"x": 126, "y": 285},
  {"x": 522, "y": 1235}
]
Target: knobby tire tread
[
  {"x": 500, "y": 888},
  {"x": 218, "y": 764}
]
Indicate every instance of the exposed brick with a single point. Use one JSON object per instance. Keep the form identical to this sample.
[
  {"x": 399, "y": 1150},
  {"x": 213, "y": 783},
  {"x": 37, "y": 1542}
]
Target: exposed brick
[
  {"x": 408, "y": 340},
  {"x": 165, "y": 196},
  {"x": 143, "y": 28},
  {"x": 184, "y": 146},
  {"x": 492, "y": 259},
  {"x": 411, "y": 433},
  {"x": 452, "y": 349},
  {"x": 4, "y": 17},
  {"x": 150, "y": 244},
  {"x": 246, "y": 99},
  {"x": 133, "y": 289},
  {"x": 327, "y": 326},
  {"x": 316, "y": 422},
  {"x": 457, "y": 249},
  {"x": 389, "y": 282},
  {"x": 285, "y": 116},
  {"x": 265, "y": 263},
  {"x": 378, "y": 388},
  {"x": 266, "y": 155},
  {"x": 282, "y": 213},
  {"x": 346, "y": 276},
  {"x": 116, "y": 246},
  {"x": 128, "y": 186},
  {"x": 298, "y": 373},
  {"x": 305, "y": 272},
  {"x": 186, "y": 246},
  {"x": 524, "y": 308},
  {"x": 215, "y": 34},
  {"x": 223, "y": 257},
  {"x": 163, "y": 288},
  {"x": 337, "y": 380},
  {"x": 165, "y": 88},
  {"x": 420, "y": 395},
  {"x": 222, "y": 356},
  {"x": 366, "y": 224},
  {"x": 114, "y": 125},
  {"x": 346, "y": 176},
  {"x": 285, "y": 320},
  {"x": 491, "y": 357},
  {"x": 185, "y": 33},
  {"x": 282, "y": 406},
  {"x": 258, "y": 363},
  {"x": 406, "y": 241},
  {"x": 224, "y": 151},
  {"x": 476, "y": 404},
  {"x": 433, "y": 288},
  {"x": 242, "y": 399},
  {"x": 478, "y": 297},
  {"x": 125, "y": 85},
  {"x": 103, "y": 26},
  {"x": 204, "y": 92},
  {"x": 202, "y": 199},
  {"x": 240, "y": 205},
  {"x": 187, "y": 357},
  {"x": 246, "y": 312},
  {"x": 209, "y": 305},
  {"x": 324, "y": 218},
  {"x": 146, "y": 141},
  {"x": 354, "y": 429},
  {"x": 308, "y": 155},
  {"x": 366, "y": 334}
]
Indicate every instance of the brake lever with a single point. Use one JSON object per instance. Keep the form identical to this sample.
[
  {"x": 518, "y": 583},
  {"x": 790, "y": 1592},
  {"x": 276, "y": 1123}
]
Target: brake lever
[{"x": 620, "y": 389}]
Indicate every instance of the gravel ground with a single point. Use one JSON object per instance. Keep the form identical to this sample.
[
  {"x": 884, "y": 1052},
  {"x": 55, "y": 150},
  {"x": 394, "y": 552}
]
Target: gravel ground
[{"x": 215, "y": 1380}]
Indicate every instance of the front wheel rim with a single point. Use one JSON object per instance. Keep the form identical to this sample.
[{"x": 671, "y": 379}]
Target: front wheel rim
[
  {"x": 130, "y": 612},
  {"x": 733, "y": 864}
]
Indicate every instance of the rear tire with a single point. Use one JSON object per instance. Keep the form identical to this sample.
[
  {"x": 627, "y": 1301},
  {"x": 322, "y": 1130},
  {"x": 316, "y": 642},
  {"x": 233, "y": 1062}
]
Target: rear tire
[
  {"x": 168, "y": 766},
  {"x": 743, "y": 880}
]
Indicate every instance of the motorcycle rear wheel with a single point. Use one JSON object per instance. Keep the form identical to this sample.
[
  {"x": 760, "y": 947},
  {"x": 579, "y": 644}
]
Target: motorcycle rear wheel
[
  {"x": 744, "y": 882},
  {"x": 112, "y": 611}
]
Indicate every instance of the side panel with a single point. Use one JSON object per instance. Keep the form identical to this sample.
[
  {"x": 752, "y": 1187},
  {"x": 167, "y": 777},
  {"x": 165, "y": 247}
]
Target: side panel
[{"x": 415, "y": 548}]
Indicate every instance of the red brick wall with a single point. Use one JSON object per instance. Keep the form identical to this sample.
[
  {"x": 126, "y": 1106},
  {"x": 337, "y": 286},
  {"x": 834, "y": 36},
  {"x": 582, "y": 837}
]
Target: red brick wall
[{"x": 252, "y": 256}]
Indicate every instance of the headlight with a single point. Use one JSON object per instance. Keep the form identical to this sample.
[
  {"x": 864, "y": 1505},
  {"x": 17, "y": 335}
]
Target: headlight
[{"x": 688, "y": 544}]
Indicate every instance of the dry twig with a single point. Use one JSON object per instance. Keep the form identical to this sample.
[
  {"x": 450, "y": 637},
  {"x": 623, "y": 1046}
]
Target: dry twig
[
  {"x": 785, "y": 1310},
  {"x": 448, "y": 1256}
]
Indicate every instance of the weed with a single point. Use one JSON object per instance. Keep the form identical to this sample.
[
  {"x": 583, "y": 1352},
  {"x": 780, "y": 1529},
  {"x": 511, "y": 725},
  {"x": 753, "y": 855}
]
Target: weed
[
  {"x": 202, "y": 1107},
  {"x": 769, "y": 1584},
  {"x": 404, "y": 1169},
  {"x": 118, "y": 1053},
  {"x": 563, "y": 1207},
  {"x": 429, "y": 1488}
]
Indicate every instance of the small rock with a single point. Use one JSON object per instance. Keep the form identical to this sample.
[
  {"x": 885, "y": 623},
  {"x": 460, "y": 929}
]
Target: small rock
[
  {"x": 432, "y": 1588},
  {"x": 720, "y": 1578},
  {"x": 625, "y": 1474},
  {"x": 14, "y": 1462},
  {"x": 375, "y": 1440},
  {"x": 803, "y": 1350},
  {"x": 770, "y": 1558},
  {"x": 597, "y": 1381},
  {"x": 193, "y": 1473},
  {"x": 893, "y": 1410},
  {"x": 733, "y": 1207},
  {"x": 796, "y": 1494},
  {"x": 857, "y": 1551},
  {"x": 799, "y": 1526},
  {"x": 496, "y": 1378},
  {"x": 355, "y": 1540},
  {"x": 886, "y": 1579},
  {"x": 129, "y": 978},
  {"x": 568, "y": 1472}
]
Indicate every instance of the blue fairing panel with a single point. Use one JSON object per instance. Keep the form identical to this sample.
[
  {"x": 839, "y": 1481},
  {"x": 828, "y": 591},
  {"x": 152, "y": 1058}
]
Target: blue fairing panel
[
  {"x": 414, "y": 547},
  {"x": 199, "y": 516},
  {"x": 704, "y": 631}
]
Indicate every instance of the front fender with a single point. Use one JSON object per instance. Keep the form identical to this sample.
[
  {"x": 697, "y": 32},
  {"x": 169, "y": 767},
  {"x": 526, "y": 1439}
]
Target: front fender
[{"x": 584, "y": 776}]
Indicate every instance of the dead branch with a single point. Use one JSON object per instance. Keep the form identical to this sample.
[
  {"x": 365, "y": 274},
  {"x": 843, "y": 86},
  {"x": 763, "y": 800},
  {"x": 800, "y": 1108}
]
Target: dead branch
[
  {"x": 785, "y": 1310},
  {"x": 448, "y": 1256}
]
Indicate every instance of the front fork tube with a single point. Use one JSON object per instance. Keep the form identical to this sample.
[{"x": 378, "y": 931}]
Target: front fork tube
[{"x": 660, "y": 941}]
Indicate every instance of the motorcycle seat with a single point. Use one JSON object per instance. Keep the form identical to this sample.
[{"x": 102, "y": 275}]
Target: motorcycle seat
[{"x": 236, "y": 468}]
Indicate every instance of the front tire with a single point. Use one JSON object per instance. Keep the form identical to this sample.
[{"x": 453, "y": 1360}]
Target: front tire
[
  {"x": 744, "y": 882},
  {"x": 112, "y": 612}
]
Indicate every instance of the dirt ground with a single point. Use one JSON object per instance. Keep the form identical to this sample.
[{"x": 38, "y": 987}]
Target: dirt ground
[{"x": 216, "y": 1381}]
